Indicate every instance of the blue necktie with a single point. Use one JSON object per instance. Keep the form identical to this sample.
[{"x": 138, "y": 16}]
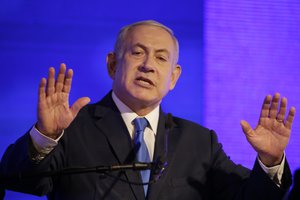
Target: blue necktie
[{"x": 142, "y": 154}]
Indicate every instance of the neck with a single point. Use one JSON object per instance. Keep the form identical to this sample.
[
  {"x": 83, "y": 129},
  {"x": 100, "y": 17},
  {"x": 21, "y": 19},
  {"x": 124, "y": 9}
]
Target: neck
[
  {"x": 143, "y": 111},
  {"x": 139, "y": 107}
]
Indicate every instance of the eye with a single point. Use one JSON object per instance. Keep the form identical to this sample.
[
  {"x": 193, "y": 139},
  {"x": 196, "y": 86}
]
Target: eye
[
  {"x": 162, "y": 58},
  {"x": 137, "y": 52}
]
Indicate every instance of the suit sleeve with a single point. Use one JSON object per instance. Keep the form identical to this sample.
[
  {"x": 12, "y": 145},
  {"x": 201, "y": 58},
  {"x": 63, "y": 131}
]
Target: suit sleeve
[
  {"x": 17, "y": 161},
  {"x": 231, "y": 181}
]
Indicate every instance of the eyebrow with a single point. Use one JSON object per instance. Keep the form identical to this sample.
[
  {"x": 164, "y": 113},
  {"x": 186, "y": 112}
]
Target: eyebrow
[{"x": 157, "y": 51}]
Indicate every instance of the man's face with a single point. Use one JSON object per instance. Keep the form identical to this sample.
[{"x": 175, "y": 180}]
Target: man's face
[{"x": 147, "y": 70}]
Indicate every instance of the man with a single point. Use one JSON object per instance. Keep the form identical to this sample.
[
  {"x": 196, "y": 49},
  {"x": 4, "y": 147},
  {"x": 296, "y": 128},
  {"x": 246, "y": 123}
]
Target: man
[
  {"x": 295, "y": 191},
  {"x": 2, "y": 192},
  {"x": 144, "y": 69}
]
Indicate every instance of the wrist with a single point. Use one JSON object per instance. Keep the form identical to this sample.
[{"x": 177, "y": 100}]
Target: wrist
[
  {"x": 270, "y": 161},
  {"x": 51, "y": 134}
]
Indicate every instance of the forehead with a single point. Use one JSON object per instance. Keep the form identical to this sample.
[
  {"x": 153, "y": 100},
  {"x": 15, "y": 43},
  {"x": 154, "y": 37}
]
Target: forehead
[{"x": 150, "y": 36}]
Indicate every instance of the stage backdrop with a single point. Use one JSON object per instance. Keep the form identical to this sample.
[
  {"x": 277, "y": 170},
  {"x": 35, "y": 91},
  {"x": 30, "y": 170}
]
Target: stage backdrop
[
  {"x": 251, "y": 50},
  {"x": 232, "y": 55}
]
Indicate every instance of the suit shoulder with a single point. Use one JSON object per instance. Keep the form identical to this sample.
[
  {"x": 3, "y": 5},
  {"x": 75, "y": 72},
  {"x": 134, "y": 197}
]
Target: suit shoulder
[
  {"x": 190, "y": 126},
  {"x": 86, "y": 110}
]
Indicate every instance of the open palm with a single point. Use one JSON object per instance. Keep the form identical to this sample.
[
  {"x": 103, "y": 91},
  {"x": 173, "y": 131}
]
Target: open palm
[
  {"x": 54, "y": 112},
  {"x": 271, "y": 135}
]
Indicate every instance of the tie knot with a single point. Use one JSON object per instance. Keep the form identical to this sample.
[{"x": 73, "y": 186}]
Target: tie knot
[{"x": 140, "y": 124}]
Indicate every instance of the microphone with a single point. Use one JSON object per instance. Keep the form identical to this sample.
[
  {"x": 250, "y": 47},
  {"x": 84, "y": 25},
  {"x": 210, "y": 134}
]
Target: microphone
[
  {"x": 161, "y": 162},
  {"x": 159, "y": 167}
]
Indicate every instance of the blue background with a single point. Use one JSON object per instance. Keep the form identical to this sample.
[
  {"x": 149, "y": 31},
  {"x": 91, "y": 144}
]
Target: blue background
[{"x": 232, "y": 54}]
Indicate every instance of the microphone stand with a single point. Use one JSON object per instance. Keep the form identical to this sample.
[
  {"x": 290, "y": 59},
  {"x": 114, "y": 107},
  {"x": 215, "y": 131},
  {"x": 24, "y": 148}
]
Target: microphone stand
[
  {"x": 80, "y": 170},
  {"x": 158, "y": 167}
]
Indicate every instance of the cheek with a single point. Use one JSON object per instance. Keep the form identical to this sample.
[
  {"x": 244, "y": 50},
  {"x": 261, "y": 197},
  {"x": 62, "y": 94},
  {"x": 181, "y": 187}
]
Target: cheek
[
  {"x": 166, "y": 81},
  {"x": 118, "y": 75},
  {"x": 121, "y": 69},
  {"x": 125, "y": 74}
]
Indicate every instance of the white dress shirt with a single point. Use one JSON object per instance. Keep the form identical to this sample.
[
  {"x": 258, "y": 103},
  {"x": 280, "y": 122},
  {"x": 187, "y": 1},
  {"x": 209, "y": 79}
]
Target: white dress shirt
[{"x": 128, "y": 116}]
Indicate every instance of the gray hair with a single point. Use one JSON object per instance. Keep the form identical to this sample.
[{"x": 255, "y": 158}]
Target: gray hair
[{"x": 119, "y": 45}]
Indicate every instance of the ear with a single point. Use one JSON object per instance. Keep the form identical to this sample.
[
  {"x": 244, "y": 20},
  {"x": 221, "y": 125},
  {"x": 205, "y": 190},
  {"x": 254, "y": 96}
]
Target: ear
[
  {"x": 111, "y": 62},
  {"x": 175, "y": 76}
]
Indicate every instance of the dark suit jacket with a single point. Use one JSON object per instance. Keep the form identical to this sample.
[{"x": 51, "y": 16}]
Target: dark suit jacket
[
  {"x": 197, "y": 166},
  {"x": 295, "y": 192}
]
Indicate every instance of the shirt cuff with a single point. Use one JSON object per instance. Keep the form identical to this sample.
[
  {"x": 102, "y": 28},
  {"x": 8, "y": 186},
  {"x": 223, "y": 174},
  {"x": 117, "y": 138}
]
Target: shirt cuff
[
  {"x": 275, "y": 172},
  {"x": 42, "y": 143}
]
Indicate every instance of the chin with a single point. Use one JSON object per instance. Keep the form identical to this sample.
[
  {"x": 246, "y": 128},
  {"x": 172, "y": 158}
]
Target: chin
[
  {"x": 140, "y": 98},
  {"x": 147, "y": 99}
]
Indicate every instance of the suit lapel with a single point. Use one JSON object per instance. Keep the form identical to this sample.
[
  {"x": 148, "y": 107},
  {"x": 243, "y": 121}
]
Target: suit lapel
[
  {"x": 116, "y": 133},
  {"x": 160, "y": 150},
  {"x": 110, "y": 122}
]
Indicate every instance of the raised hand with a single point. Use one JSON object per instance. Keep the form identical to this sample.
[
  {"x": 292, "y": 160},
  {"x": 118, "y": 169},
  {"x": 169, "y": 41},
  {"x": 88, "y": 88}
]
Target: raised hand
[
  {"x": 271, "y": 136},
  {"x": 54, "y": 112}
]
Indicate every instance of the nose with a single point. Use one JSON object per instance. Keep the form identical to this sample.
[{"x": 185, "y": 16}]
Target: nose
[{"x": 148, "y": 64}]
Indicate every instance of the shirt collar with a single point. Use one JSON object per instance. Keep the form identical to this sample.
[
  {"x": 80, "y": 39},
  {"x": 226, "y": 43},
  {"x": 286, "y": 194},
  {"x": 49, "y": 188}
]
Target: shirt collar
[{"x": 128, "y": 115}]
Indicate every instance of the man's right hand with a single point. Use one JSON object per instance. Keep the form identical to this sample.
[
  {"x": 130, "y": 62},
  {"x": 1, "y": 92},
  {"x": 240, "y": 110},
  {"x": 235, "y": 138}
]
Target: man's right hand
[{"x": 54, "y": 112}]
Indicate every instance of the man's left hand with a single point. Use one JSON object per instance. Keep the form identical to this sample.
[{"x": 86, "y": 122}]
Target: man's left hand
[{"x": 271, "y": 135}]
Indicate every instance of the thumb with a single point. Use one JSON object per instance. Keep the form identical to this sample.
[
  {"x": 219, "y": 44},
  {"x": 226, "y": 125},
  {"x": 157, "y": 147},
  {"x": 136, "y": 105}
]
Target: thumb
[
  {"x": 246, "y": 128},
  {"x": 79, "y": 103}
]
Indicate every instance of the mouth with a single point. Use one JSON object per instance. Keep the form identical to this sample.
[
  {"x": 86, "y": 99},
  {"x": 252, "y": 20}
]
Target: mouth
[{"x": 145, "y": 81}]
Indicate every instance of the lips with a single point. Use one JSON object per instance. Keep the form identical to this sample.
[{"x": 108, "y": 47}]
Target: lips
[{"x": 145, "y": 80}]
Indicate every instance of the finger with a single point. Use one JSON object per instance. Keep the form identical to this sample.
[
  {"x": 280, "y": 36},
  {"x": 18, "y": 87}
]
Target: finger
[
  {"x": 60, "y": 78},
  {"x": 41, "y": 92},
  {"x": 290, "y": 118},
  {"x": 246, "y": 128},
  {"x": 274, "y": 106},
  {"x": 51, "y": 82},
  {"x": 282, "y": 110},
  {"x": 266, "y": 107},
  {"x": 68, "y": 81},
  {"x": 79, "y": 104}
]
